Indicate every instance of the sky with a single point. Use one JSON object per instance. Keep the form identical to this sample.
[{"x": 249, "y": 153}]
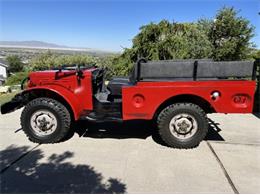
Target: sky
[{"x": 106, "y": 24}]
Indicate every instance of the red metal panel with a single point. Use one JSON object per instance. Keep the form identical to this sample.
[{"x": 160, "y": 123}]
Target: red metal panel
[
  {"x": 78, "y": 93},
  {"x": 142, "y": 100}
]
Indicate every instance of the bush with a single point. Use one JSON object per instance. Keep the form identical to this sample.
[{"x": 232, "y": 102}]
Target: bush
[
  {"x": 16, "y": 78},
  {"x": 49, "y": 60},
  {"x": 15, "y": 63}
]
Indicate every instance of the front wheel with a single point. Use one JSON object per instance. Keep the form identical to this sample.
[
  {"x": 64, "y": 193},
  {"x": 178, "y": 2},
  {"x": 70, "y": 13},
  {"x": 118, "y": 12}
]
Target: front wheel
[
  {"x": 45, "y": 120},
  {"x": 182, "y": 125}
]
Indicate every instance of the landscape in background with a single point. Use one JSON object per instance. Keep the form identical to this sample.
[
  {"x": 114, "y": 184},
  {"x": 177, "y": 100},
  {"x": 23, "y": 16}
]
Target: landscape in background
[
  {"x": 26, "y": 50},
  {"x": 227, "y": 37},
  {"x": 23, "y": 53}
]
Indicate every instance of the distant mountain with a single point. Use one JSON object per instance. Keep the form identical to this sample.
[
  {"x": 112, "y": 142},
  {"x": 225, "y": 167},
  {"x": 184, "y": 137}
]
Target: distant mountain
[
  {"x": 36, "y": 44},
  {"x": 44, "y": 45}
]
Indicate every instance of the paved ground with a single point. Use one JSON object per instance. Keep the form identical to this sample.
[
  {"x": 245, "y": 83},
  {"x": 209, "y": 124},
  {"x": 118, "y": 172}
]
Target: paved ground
[{"x": 125, "y": 158}]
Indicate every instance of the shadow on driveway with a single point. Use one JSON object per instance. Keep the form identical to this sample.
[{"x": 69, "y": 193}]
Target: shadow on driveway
[
  {"x": 56, "y": 175},
  {"x": 139, "y": 129},
  {"x": 257, "y": 115}
]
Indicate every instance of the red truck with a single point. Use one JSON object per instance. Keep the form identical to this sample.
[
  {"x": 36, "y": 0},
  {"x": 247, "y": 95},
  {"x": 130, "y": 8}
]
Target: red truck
[{"x": 177, "y": 94}]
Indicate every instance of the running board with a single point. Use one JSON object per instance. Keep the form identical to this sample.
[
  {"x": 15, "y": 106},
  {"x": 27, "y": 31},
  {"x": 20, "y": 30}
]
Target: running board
[{"x": 95, "y": 118}]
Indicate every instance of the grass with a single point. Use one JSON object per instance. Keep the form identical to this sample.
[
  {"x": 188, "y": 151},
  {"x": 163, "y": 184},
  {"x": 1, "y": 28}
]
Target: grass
[{"x": 7, "y": 97}]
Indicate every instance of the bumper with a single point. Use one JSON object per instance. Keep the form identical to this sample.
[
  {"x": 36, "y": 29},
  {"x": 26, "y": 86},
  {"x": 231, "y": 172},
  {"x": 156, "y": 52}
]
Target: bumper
[{"x": 17, "y": 102}]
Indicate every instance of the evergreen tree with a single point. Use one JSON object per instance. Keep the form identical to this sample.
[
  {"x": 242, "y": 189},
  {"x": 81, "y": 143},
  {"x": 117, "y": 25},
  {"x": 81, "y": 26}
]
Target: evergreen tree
[{"x": 230, "y": 35}]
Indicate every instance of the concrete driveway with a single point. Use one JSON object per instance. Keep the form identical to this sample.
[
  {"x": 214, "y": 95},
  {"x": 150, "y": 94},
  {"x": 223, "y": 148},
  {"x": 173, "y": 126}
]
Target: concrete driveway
[{"x": 126, "y": 158}]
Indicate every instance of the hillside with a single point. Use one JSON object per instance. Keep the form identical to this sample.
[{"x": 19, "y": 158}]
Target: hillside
[{"x": 31, "y": 44}]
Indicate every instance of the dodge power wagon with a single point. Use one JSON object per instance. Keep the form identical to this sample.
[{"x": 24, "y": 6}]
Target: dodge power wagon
[{"x": 176, "y": 94}]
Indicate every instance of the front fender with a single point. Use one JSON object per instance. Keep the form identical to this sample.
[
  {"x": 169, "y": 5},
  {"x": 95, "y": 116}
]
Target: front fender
[
  {"x": 70, "y": 98},
  {"x": 23, "y": 98}
]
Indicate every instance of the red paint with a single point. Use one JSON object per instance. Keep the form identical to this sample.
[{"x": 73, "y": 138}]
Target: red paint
[
  {"x": 143, "y": 99},
  {"x": 155, "y": 93},
  {"x": 77, "y": 94},
  {"x": 138, "y": 101}
]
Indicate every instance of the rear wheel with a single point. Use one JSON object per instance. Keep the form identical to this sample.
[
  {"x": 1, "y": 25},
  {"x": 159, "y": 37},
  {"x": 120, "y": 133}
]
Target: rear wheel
[
  {"x": 182, "y": 125},
  {"x": 45, "y": 120}
]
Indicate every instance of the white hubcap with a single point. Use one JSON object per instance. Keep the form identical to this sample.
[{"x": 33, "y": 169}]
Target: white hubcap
[
  {"x": 43, "y": 122},
  {"x": 183, "y": 126}
]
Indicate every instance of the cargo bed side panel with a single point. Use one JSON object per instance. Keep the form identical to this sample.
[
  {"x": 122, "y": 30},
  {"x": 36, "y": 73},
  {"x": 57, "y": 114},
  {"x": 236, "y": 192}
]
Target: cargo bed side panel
[{"x": 142, "y": 100}]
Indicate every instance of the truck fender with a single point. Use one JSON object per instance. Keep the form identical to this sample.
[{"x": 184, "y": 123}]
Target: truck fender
[
  {"x": 25, "y": 96},
  {"x": 191, "y": 98}
]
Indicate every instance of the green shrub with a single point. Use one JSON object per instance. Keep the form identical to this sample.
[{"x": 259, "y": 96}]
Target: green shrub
[
  {"x": 16, "y": 78},
  {"x": 15, "y": 63},
  {"x": 49, "y": 60}
]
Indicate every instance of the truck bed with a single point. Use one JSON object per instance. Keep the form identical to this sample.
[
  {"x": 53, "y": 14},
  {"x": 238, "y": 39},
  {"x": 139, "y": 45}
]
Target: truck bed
[{"x": 142, "y": 100}]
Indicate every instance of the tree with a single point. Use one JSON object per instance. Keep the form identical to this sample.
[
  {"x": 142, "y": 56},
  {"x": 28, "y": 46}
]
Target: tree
[
  {"x": 163, "y": 41},
  {"x": 255, "y": 54},
  {"x": 227, "y": 37},
  {"x": 15, "y": 63},
  {"x": 230, "y": 35},
  {"x": 167, "y": 40}
]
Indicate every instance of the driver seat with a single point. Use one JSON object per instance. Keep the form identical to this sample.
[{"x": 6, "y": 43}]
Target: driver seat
[{"x": 115, "y": 85}]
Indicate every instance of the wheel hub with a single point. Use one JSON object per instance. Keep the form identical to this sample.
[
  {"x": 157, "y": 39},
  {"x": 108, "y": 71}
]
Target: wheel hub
[
  {"x": 43, "y": 122},
  {"x": 183, "y": 126}
]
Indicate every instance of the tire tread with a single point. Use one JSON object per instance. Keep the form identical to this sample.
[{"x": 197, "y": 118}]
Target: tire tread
[
  {"x": 61, "y": 111},
  {"x": 168, "y": 110}
]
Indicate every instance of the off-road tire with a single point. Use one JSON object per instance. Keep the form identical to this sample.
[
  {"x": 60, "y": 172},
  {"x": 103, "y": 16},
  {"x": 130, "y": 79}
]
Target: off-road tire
[
  {"x": 60, "y": 112},
  {"x": 169, "y": 112}
]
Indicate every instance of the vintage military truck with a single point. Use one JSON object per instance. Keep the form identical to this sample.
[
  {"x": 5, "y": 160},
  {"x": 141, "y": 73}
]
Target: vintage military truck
[{"x": 177, "y": 94}]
